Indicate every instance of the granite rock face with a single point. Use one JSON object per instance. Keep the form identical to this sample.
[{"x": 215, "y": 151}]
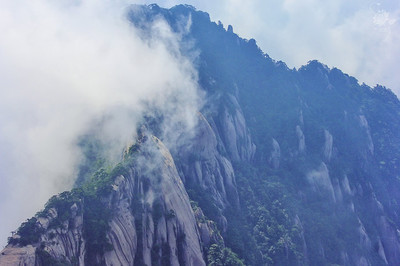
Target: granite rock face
[
  {"x": 177, "y": 234},
  {"x": 234, "y": 132},
  {"x": 275, "y": 156},
  {"x": 174, "y": 227},
  {"x": 18, "y": 255}
]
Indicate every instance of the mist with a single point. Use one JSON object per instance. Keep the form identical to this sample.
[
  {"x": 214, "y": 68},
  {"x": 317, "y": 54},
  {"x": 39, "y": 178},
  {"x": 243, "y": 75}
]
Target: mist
[{"x": 65, "y": 65}]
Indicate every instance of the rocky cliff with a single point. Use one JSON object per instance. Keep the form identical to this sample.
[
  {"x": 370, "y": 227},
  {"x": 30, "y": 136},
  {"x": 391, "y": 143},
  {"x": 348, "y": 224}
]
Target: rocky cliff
[
  {"x": 283, "y": 167},
  {"x": 151, "y": 221}
]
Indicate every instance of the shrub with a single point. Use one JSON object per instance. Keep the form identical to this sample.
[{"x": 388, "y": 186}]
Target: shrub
[{"x": 29, "y": 233}]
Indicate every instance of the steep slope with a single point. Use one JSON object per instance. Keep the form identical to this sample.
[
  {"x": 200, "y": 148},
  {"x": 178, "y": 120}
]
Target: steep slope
[
  {"x": 285, "y": 167},
  {"x": 316, "y": 131},
  {"x": 150, "y": 219}
]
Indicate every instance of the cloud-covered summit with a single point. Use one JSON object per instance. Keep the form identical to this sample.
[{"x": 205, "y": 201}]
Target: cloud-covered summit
[{"x": 65, "y": 65}]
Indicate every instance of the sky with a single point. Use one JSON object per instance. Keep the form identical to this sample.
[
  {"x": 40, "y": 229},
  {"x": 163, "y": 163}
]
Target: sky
[
  {"x": 361, "y": 37},
  {"x": 68, "y": 63}
]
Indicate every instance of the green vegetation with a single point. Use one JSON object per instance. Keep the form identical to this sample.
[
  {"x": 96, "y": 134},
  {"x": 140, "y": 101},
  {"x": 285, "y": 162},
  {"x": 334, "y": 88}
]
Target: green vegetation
[
  {"x": 274, "y": 100},
  {"x": 44, "y": 258},
  {"x": 161, "y": 256},
  {"x": 90, "y": 200},
  {"x": 29, "y": 233},
  {"x": 93, "y": 159},
  {"x": 95, "y": 226},
  {"x": 158, "y": 210},
  {"x": 221, "y": 256},
  {"x": 202, "y": 198},
  {"x": 264, "y": 233}
]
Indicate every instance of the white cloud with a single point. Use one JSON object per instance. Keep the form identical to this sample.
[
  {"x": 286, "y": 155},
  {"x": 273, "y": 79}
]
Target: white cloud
[
  {"x": 64, "y": 64},
  {"x": 383, "y": 18}
]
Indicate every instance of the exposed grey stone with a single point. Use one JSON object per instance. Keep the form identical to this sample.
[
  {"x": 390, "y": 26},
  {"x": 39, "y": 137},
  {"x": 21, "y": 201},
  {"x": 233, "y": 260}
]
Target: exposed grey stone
[
  {"x": 320, "y": 181},
  {"x": 275, "y": 156},
  {"x": 327, "y": 150},
  {"x": 301, "y": 139}
]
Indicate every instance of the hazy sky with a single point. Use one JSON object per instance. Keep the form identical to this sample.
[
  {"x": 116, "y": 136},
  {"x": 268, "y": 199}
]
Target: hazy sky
[{"x": 361, "y": 37}]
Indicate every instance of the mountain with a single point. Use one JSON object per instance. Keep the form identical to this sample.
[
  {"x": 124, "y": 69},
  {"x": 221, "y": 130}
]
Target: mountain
[{"x": 285, "y": 167}]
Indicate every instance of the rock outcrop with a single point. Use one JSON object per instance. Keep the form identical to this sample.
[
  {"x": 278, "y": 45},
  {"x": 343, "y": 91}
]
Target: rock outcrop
[
  {"x": 328, "y": 146},
  {"x": 18, "y": 255},
  {"x": 275, "y": 156},
  {"x": 301, "y": 139},
  {"x": 321, "y": 183},
  {"x": 160, "y": 228}
]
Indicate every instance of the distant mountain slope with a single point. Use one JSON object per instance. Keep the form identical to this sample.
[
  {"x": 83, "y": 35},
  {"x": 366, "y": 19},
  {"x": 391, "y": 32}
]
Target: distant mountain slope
[{"x": 286, "y": 167}]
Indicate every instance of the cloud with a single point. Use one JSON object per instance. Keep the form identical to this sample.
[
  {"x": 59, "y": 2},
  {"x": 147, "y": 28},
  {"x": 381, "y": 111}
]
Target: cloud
[
  {"x": 360, "y": 37},
  {"x": 65, "y": 65}
]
